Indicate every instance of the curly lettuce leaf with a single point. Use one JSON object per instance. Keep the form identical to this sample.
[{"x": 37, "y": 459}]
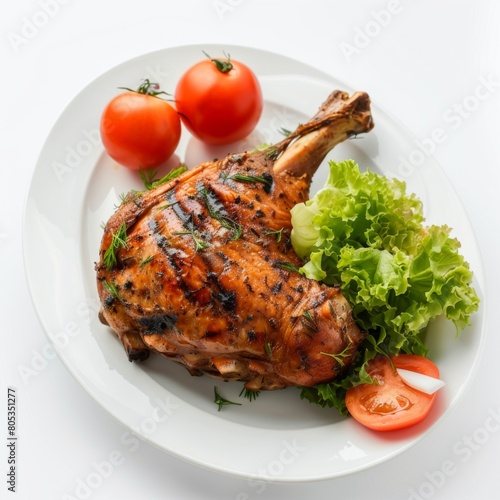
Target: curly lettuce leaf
[{"x": 364, "y": 232}]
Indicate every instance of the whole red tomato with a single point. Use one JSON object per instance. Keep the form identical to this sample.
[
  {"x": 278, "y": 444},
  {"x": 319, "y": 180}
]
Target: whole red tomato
[
  {"x": 219, "y": 100},
  {"x": 139, "y": 129}
]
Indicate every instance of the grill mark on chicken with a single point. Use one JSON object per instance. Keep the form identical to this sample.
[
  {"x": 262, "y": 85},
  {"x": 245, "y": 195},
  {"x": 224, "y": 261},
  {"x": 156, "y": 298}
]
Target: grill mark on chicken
[
  {"x": 161, "y": 239},
  {"x": 185, "y": 217},
  {"x": 222, "y": 306},
  {"x": 226, "y": 298},
  {"x": 158, "y": 323}
]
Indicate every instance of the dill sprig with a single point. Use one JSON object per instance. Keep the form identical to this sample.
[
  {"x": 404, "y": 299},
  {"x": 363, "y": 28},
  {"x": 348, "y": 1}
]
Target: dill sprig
[
  {"x": 199, "y": 244},
  {"x": 268, "y": 348},
  {"x": 265, "y": 179},
  {"x": 131, "y": 195},
  {"x": 278, "y": 233},
  {"x": 339, "y": 357},
  {"x": 250, "y": 394},
  {"x": 287, "y": 266},
  {"x": 145, "y": 261},
  {"x": 231, "y": 225},
  {"x": 111, "y": 289},
  {"x": 309, "y": 321},
  {"x": 220, "y": 401},
  {"x": 273, "y": 153},
  {"x": 118, "y": 240},
  {"x": 149, "y": 181},
  {"x": 166, "y": 205},
  {"x": 284, "y": 131}
]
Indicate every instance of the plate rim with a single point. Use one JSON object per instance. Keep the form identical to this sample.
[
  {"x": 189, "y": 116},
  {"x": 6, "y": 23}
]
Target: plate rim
[{"x": 86, "y": 386}]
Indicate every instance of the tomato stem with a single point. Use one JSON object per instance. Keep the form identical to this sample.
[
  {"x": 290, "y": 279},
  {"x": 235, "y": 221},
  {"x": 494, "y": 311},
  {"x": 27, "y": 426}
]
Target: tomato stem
[
  {"x": 148, "y": 88},
  {"x": 222, "y": 66}
]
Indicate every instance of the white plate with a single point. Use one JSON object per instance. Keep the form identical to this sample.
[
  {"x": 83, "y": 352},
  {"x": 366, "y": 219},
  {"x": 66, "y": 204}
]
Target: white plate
[{"x": 280, "y": 437}]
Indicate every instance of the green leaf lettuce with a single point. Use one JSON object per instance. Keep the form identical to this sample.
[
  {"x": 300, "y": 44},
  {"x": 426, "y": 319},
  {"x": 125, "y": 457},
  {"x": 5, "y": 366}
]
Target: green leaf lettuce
[{"x": 364, "y": 232}]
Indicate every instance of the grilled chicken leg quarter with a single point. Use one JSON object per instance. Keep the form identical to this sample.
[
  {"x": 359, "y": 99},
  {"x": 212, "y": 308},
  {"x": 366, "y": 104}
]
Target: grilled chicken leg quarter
[{"x": 206, "y": 274}]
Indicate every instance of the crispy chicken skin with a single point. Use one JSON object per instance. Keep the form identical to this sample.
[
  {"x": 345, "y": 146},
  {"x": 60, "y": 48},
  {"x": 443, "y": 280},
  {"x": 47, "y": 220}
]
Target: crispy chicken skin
[{"x": 207, "y": 276}]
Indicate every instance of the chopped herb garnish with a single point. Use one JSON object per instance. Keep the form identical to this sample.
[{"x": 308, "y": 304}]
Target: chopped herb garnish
[
  {"x": 278, "y": 233},
  {"x": 149, "y": 181},
  {"x": 250, "y": 394},
  {"x": 112, "y": 289},
  {"x": 223, "y": 176},
  {"x": 288, "y": 266},
  {"x": 126, "y": 197},
  {"x": 284, "y": 131},
  {"x": 273, "y": 154},
  {"x": 220, "y": 401},
  {"x": 268, "y": 348},
  {"x": 226, "y": 222},
  {"x": 166, "y": 205},
  {"x": 147, "y": 260},
  {"x": 199, "y": 244},
  {"x": 309, "y": 322},
  {"x": 265, "y": 179},
  {"x": 118, "y": 240},
  {"x": 339, "y": 358}
]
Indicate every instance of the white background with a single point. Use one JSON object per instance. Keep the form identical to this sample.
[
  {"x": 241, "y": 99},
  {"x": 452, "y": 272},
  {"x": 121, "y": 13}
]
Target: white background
[{"x": 427, "y": 57}]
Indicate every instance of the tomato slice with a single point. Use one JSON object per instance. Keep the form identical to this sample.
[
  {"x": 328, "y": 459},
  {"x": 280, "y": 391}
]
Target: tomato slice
[{"x": 391, "y": 404}]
